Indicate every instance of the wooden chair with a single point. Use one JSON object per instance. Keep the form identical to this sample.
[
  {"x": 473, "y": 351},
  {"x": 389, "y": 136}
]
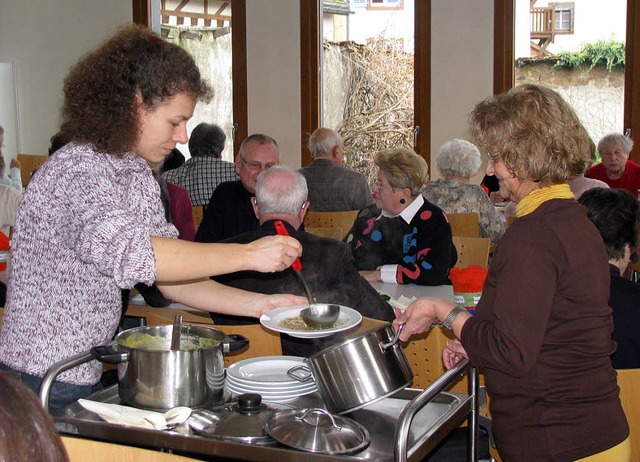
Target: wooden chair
[
  {"x": 464, "y": 224},
  {"x": 29, "y": 163},
  {"x": 629, "y": 383},
  {"x": 262, "y": 342},
  {"x": 343, "y": 220},
  {"x": 197, "y": 212},
  {"x": 472, "y": 251},
  {"x": 81, "y": 450},
  {"x": 333, "y": 233}
]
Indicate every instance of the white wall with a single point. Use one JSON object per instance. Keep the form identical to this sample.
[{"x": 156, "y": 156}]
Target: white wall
[
  {"x": 273, "y": 67},
  {"x": 43, "y": 38},
  {"x": 461, "y": 68}
]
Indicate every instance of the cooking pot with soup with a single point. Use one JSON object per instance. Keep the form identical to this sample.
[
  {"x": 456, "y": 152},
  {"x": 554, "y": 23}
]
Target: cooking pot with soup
[{"x": 152, "y": 375}]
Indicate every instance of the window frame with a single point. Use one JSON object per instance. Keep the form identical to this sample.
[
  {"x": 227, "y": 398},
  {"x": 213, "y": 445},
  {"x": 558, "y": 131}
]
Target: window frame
[
  {"x": 310, "y": 16},
  {"x": 385, "y": 5},
  {"x": 565, "y": 6},
  {"x": 504, "y": 57}
]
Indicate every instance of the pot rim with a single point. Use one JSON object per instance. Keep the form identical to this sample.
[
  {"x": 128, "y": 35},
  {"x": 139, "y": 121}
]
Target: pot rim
[
  {"x": 133, "y": 330},
  {"x": 346, "y": 342}
]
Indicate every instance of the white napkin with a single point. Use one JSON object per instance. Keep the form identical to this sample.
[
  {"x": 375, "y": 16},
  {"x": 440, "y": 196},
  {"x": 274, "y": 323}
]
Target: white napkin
[
  {"x": 124, "y": 415},
  {"x": 401, "y": 303}
]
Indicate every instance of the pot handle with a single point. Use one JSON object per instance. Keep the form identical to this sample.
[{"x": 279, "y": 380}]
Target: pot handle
[
  {"x": 304, "y": 377},
  {"x": 394, "y": 340},
  {"x": 234, "y": 342},
  {"x": 111, "y": 353}
]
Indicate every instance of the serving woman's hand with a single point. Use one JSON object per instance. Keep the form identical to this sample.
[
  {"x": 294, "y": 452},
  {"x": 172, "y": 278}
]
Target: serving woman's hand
[
  {"x": 453, "y": 353},
  {"x": 273, "y": 253},
  {"x": 417, "y": 318},
  {"x": 269, "y": 302}
]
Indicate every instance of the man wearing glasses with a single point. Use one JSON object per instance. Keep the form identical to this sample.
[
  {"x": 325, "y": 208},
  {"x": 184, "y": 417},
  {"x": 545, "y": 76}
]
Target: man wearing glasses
[{"x": 230, "y": 212}]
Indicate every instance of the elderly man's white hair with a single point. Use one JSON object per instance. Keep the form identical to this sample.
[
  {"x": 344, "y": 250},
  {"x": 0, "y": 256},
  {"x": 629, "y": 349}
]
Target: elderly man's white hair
[
  {"x": 281, "y": 189},
  {"x": 323, "y": 140},
  {"x": 458, "y": 158}
]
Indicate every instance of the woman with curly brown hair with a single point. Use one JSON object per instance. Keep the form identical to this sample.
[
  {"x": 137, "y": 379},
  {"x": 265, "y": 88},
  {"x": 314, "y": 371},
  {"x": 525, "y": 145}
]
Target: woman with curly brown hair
[
  {"x": 92, "y": 222},
  {"x": 542, "y": 329}
]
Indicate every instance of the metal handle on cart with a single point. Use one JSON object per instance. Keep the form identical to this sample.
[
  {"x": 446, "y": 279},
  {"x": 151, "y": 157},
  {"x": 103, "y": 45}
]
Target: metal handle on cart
[
  {"x": 57, "y": 369},
  {"x": 401, "y": 436}
]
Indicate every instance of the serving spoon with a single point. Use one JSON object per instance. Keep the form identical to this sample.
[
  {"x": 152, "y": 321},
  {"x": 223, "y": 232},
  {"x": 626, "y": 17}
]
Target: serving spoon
[{"x": 317, "y": 314}]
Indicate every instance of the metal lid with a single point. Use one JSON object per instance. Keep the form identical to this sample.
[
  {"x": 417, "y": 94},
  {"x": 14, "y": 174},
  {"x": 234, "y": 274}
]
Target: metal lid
[
  {"x": 242, "y": 420},
  {"x": 317, "y": 430}
]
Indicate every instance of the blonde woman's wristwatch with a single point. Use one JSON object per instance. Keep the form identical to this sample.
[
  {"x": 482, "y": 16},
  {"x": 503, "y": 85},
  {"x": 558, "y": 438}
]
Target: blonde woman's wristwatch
[{"x": 453, "y": 314}]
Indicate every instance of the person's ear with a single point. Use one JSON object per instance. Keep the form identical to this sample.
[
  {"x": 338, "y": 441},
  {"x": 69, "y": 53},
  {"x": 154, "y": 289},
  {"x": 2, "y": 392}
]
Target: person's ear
[
  {"x": 256, "y": 210},
  {"x": 303, "y": 211}
]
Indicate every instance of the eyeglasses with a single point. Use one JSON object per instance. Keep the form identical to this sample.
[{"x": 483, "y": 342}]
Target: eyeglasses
[
  {"x": 378, "y": 184},
  {"x": 258, "y": 165}
]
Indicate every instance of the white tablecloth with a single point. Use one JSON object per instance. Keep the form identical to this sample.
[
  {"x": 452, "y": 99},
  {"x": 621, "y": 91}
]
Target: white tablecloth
[{"x": 397, "y": 290}]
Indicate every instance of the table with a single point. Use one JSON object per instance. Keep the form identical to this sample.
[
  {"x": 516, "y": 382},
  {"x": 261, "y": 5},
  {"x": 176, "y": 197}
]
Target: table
[{"x": 410, "y": 290}]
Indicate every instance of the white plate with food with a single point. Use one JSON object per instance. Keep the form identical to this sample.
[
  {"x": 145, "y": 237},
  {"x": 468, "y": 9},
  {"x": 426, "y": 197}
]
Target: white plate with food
[{"x": 287, "y": 320}]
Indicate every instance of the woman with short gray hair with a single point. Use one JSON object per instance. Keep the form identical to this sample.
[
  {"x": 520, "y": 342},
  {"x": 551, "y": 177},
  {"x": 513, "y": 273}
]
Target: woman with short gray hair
[
  {"x": 402, "y": 238},
  {"x": 616, "y": 169},
  {"x": 457, "y": 161}
]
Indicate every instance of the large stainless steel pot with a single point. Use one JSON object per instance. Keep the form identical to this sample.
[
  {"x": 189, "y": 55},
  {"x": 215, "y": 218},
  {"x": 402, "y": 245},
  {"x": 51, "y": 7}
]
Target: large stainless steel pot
[
  {"x": 151, "y": 375},
  {"x": 361, "y": 370}
]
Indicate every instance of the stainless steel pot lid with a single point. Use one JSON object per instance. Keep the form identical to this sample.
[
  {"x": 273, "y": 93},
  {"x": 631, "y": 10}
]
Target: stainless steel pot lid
[
  {"x": 242, "y": 420},
  {"x": 317, "y": 430}
]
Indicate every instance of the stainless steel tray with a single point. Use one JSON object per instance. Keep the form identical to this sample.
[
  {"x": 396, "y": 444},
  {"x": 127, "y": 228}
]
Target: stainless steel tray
[{"x": 429, "y": 426}]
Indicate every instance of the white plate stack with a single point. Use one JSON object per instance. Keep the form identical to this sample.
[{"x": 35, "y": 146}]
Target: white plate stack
[{"x": 268, "y": 376}]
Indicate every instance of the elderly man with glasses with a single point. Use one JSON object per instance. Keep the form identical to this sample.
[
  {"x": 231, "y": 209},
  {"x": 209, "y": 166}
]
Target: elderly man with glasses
[{"x": 229, "y": 212}]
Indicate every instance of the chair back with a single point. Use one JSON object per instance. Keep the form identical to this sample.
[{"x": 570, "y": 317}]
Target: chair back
[
  {"x": 197, "y": 212},
  {"x": 629, "y": 383},
  {"x": 333, "y": 233},
  {"x": 472, "y": 251},
  {"x": 464, "y": 224},
  {"x": 28, "y": 164},
  {"x": 343, "y": 220},
  {"x": 262, "y": 342}
]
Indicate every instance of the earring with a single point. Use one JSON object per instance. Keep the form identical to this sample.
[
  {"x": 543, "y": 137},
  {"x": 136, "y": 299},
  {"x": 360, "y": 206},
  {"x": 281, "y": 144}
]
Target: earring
[{"x": 402, "y": 201}]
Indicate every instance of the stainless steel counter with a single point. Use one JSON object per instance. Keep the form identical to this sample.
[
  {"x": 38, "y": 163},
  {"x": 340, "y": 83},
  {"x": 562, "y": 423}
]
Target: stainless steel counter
[{"x": 428, "y": 427}]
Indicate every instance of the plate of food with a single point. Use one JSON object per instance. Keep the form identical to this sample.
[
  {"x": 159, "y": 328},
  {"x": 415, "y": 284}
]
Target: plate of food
[{"x": 287, "y": 320}]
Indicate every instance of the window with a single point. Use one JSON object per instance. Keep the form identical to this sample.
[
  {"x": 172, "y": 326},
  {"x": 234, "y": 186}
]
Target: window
[
  {"x": 386, "y": 4},
  {"x": 564, "y": 17}
]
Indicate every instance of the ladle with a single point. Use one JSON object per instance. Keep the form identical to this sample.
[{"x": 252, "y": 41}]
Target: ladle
[
  {"x": 317, "y": 315},
  {"x": 175, "y": 334}
]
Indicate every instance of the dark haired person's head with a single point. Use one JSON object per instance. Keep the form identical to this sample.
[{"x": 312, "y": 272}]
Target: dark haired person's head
[
  {"x": 173, "y": 160},
  {"x": 616, "y": 215},
  {"x": 207, "y": 140},
  {"x": 26, "y": 430},
  {"x": 109, "y": 91}
]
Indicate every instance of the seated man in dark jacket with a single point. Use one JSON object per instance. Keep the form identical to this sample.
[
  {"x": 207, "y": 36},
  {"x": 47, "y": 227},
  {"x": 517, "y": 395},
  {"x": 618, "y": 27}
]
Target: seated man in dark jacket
[{"x": 327, "y": 264}]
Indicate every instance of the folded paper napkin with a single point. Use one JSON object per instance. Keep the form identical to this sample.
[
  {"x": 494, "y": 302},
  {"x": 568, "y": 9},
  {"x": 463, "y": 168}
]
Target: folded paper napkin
[
  {"x": 400, "y": 304},
  {"x": 124, "y": 415}
]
